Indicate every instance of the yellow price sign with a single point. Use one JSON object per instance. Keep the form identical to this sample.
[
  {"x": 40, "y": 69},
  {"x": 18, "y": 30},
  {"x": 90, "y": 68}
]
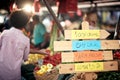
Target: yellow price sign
[
  {"x": 85, "y": 34},
  {"x": 87, "y": 67}
]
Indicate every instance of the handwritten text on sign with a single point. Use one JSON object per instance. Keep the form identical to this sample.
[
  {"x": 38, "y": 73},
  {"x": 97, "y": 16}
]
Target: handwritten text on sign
[
  {"x": 86, "y": 45},
  {"x": 93, "y": 66},
  {"x": 88, "y": 55},
  {"x": 85, "y": 34}
]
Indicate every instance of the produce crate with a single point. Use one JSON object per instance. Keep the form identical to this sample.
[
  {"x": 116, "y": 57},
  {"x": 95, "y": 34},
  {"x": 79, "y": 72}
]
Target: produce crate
[{"x": 52, "y": 75}]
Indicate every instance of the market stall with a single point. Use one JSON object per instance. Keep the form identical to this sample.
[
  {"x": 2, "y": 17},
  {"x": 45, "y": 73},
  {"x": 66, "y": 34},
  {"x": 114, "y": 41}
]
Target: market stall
[{"x": 82, "y": 54}]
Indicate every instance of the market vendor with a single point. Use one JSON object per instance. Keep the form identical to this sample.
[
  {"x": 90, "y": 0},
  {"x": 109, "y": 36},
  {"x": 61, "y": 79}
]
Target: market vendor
[{"x": 40, "y": 36}]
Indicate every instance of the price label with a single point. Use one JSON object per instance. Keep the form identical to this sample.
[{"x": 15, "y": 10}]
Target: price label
[
  {"x": 85, "y": 34},
  {"x": 93, "y": 66},
  {"x": 86, "y": 45},
  {"x": 88, "y": 55}
]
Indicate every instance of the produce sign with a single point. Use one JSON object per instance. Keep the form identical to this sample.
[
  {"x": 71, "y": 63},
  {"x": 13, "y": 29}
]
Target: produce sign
[
  {"x": 88, "y": 67},
  {"x": 86, "y": 45},
  {"x": 86, "y": 56},
  {"x": 86, "y": 34}
]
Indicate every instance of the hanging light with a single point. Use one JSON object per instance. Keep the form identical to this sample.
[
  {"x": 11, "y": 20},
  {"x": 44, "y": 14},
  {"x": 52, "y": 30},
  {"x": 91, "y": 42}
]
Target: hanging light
[{"x": 28, "y": 8}]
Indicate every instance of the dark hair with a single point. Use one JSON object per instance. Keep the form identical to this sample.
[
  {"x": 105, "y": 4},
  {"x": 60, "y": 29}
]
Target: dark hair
[
  {"x": 36, "y": 18},
  {"x": 19, "y": 19}
]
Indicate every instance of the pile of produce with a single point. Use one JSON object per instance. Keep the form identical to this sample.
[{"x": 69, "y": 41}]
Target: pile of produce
[
  {"x": 53, "y": 59},
  {"x": 33, "y": 58},
  {"x": 116, "y": 54},
  {"x": 48, "y": 67},
  {"x": 40, "y": 70}
]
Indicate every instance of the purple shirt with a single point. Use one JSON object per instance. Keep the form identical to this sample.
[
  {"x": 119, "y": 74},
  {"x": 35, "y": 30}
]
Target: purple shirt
[{"x": 14, "y": 48}]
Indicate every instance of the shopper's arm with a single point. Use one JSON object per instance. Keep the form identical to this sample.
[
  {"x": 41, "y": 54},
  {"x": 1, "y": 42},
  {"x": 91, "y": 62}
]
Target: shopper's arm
[{"x": 35, "y": 51}]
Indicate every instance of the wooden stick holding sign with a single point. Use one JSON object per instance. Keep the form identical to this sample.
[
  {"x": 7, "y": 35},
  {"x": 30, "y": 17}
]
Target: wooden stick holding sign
[
  {"x": 85, "y": 24},
  {"x": 86, "y": 34},
  {"x": 86, "y": 45}
]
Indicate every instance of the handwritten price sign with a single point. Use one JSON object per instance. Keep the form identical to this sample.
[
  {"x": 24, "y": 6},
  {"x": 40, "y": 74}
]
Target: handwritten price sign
[
  {"x": 86, "y": 56},
  {"x": 86, "y": 45},
  {"x": 88, "y": 67}
]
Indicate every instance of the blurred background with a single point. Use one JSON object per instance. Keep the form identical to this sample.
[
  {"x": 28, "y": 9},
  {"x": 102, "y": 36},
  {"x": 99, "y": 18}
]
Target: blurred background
[{"x": 101, "y": 13}]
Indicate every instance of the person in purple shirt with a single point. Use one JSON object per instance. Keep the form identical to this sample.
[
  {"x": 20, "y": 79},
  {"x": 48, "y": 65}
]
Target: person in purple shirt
[{"x": 14, "y": 47}]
